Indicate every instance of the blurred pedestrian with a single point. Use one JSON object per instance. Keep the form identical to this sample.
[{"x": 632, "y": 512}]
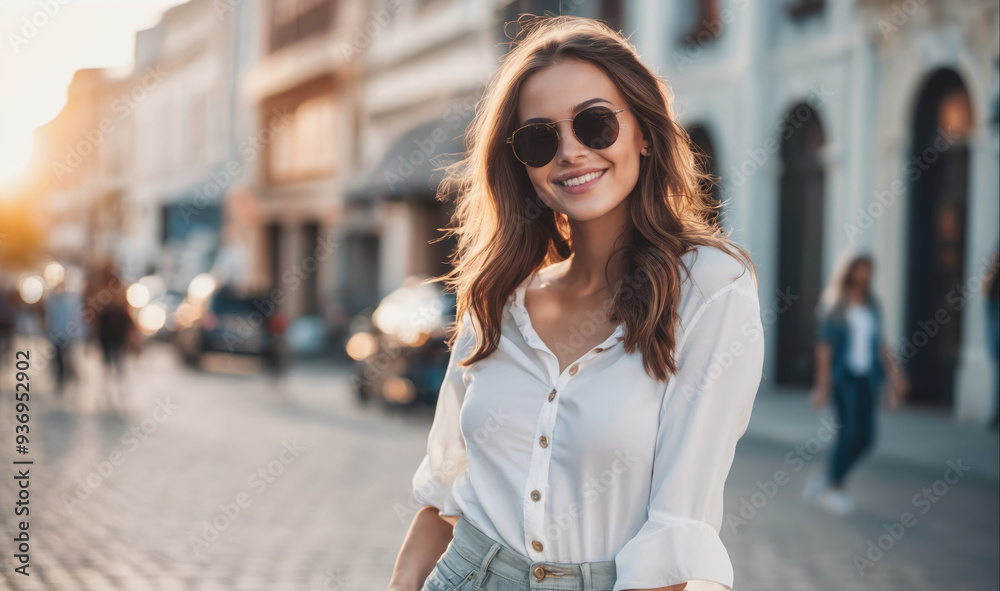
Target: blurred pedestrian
[
  {"x": 113, "y": 325},
  {"x": 851, "y": 363},
  {"x": 63, "y": 326},
  {"x": 991, "y": 288},
  {"x": 114, "y": 331}
]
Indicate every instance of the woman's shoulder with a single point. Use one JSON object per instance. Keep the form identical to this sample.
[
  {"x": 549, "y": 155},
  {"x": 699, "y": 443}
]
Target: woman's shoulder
[{"x": 711, "y": 270}]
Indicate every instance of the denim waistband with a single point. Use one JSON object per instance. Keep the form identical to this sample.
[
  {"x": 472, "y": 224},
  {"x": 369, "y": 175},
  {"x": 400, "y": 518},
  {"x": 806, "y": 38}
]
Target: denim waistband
[{"x": 490, "y": 556}]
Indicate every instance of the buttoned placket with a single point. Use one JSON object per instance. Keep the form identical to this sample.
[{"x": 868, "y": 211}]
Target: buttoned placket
[{"x": 538, "y": 471}]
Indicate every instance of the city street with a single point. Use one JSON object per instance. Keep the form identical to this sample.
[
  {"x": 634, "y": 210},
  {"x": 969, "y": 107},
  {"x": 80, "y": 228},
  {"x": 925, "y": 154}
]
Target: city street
[{"x": 216, "y": 481}]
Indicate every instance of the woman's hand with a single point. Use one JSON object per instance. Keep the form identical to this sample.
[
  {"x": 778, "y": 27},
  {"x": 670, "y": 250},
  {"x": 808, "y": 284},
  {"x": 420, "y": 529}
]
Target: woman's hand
[
  {"x": 899, "y": 389},
  {"x": 820, "y": 395}
]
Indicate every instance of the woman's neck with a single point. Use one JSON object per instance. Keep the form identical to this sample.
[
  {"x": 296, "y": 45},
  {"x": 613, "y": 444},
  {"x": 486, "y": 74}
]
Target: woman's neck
[{"x": 593, "y": 243}]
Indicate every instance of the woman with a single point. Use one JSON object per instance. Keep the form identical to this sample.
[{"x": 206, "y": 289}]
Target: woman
[
  {"x": 610, "y": 344},
  {"x": 851, "y": 358}
]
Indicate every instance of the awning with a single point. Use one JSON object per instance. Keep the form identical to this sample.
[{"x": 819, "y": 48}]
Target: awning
[{"x": 407, "y": 172}]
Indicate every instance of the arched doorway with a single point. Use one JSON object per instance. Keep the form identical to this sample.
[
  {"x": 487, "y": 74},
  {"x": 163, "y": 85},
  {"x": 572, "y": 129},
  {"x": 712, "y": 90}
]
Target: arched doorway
[
  {"x": 706, "y": 156},
  {"x": 800, "y": 243},
  {"x": 937, "y": 168}
]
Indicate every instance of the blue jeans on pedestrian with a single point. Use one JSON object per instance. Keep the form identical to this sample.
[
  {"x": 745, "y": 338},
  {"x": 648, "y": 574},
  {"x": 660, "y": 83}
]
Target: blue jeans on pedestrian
[
  {"x": 854, "y": 403},
  {"x": 475, "y": 561}
]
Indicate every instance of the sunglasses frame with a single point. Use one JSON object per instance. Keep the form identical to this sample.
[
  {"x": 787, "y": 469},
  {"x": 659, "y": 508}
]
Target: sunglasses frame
[{"x": 552, "y": 124}]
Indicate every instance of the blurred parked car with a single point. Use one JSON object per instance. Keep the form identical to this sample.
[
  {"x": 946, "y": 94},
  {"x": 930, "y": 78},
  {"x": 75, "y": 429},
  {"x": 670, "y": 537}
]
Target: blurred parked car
[
  {"x": 400, "y": 348},
  {"x": 226, "y": 322}
]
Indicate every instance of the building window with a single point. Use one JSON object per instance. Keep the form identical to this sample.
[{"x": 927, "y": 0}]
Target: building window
[
  {"x": 303, "y": 146},
  {"x": 707, "y": 26},
  {"x": 805, "y": 8},
  {"x": 295, "y": 20}
]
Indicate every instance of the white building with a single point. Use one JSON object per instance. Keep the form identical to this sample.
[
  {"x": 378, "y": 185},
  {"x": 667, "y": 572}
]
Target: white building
[{"x": 851, "y": 125}]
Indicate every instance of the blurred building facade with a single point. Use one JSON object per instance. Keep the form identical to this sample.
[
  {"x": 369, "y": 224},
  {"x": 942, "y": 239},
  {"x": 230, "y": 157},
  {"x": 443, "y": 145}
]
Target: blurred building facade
[
  {"x": 188, "y": 113},
  {"x": 77, "y": 167},
  {"x": 295, "y": 146},
  {"x": 865, "y": 126},
  {"x": 305, "y": 95}
]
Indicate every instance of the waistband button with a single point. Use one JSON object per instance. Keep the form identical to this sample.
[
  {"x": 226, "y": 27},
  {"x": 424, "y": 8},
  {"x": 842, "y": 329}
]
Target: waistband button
[{"x": 539, "y": 573}]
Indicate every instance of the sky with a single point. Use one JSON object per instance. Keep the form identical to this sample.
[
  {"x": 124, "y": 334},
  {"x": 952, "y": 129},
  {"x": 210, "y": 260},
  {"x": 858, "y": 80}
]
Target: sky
[{"x": 42, "y": 42}]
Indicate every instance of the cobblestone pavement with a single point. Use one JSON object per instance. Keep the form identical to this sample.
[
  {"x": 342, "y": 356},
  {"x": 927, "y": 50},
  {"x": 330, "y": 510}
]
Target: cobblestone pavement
[{"x": 204, "y": 481}]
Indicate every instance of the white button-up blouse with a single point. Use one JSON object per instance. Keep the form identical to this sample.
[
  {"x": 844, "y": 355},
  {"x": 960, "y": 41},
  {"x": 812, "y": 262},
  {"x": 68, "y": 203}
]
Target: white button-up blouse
[{"x": 601, "y": 461}]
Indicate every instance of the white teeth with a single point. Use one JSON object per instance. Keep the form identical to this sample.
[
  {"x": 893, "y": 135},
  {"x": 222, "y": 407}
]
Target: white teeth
[{"x": 581, "y": 179}]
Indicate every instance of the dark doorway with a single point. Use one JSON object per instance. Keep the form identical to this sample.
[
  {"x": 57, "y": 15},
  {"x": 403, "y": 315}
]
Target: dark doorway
[
  {"x": 938, "y": 171},
  {"x": 274, "y": 253},
  {"x": 705, "y": 151},
  {"x": 800, "y": 243},
  {"x": 310, "y": 268},
  {"x": 362, "y": 264}
]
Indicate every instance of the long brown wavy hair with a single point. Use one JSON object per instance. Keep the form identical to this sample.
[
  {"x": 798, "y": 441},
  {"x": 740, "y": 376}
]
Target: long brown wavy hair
[{"x": 505, "y": 232}]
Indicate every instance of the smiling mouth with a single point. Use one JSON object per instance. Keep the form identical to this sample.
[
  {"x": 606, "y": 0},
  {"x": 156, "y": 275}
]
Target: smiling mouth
[{"x": 582, "y": 179}]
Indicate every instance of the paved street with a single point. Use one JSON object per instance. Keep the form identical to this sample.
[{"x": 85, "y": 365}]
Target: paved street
[{"x": 206, "y": 481}]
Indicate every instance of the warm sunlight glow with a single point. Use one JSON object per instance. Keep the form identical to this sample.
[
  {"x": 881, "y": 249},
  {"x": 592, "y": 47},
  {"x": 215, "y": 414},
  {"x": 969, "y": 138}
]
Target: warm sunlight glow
[{"x": 37, "y": 62}]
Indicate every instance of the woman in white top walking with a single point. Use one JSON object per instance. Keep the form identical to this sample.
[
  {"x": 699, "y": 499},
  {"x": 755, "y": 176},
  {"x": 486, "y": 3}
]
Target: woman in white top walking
[{"x": 609, "y": 345}]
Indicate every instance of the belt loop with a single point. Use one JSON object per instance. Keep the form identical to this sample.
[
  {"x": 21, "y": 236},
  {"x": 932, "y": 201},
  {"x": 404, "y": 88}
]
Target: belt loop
[
  {"x": 585, "y": 571},
  {"x": 477, "y": 583}
]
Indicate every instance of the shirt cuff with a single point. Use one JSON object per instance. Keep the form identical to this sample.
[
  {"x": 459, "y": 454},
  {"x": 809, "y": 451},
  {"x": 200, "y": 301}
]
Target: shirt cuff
[
  {"x": 666, "y": 553},
  {"x": 428, "y": 491}
]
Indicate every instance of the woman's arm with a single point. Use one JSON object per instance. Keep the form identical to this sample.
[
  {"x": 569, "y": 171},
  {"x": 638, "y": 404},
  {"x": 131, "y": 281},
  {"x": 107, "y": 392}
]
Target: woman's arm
[
  {"x": 899, "y": 385},
  {"x": 425, "y": 543},
  {"x": 821, "y": 381}
]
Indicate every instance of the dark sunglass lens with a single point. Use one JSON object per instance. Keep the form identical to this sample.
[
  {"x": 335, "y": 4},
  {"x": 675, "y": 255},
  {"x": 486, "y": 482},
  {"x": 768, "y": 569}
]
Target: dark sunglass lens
[
  {"x": 535, "y": 145},
  {"x": 596, "y": 128}
]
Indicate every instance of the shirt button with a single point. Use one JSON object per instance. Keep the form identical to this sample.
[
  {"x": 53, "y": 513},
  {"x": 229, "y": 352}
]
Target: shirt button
[
  {"x": 573, "y": 370},
  {"x": 552, "y": 394},
  {"x": 538, "y": 548},
  {"x": 539, "y": 573},
  {"x": 535, "y": 495},
  {"x": 543, "y": 441}
]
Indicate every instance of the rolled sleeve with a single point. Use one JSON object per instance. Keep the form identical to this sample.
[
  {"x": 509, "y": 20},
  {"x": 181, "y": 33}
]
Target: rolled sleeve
[
  {"x": 445, "y": 459},
  {"x": 705, "y": 410}
]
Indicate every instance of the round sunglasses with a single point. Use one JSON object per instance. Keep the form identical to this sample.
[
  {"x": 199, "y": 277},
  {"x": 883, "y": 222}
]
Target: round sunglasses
[{"x": 536, "y": 144}]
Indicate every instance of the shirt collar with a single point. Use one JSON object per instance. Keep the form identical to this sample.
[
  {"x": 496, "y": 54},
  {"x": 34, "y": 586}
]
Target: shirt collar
[{"x": 519, "y": 313}]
